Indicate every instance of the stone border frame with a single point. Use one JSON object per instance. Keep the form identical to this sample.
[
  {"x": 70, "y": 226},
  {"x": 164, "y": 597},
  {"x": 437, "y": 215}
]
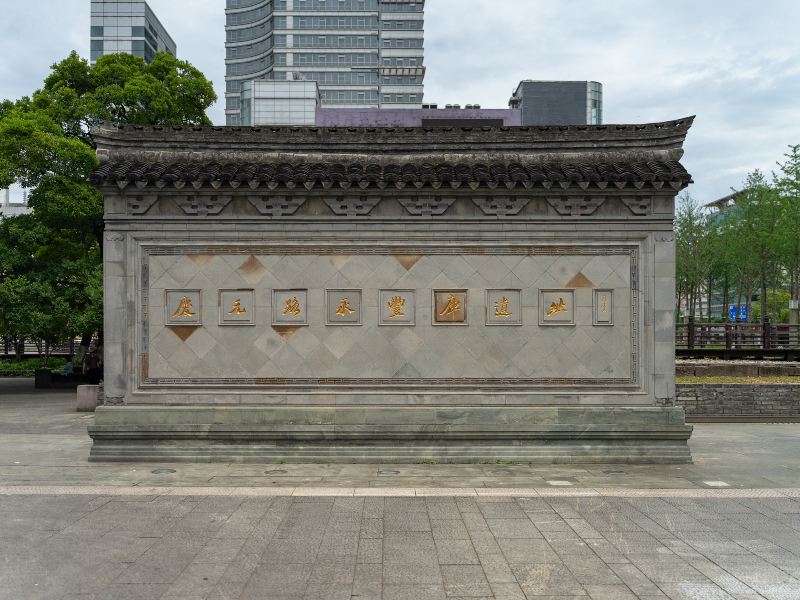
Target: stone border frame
[
  {"x": 595, "y": 321},
  {"x": 542, "y": 322},
  {"x": 221, "y": 308},
  {"x": 412, "y": 323},
  {"x": 329, "y": 295},
  {"x": 286, "y": 323},
  {"x": 199, "y": 309},
  {"x": 487, "y": 308},
  {"x": 435, "y": 323},
  {"x": 142, "y": 382}
]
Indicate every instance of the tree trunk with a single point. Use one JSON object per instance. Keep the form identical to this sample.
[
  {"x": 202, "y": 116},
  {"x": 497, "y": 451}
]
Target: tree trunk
[
  {"x": 725, "y": 297},
  {"x": 83, "y": 349},
  {"x": 46, "y": 354},
  {"x": 763, "y": 299},
  {"x": 19, "y": 349}
]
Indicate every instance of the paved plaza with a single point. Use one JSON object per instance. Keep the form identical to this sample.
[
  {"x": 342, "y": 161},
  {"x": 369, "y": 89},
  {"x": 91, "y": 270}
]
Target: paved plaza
[{"x": 727, "y": 526}]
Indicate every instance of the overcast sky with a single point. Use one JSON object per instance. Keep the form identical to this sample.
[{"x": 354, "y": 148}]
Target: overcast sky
[{"x": 733, "y": 63}]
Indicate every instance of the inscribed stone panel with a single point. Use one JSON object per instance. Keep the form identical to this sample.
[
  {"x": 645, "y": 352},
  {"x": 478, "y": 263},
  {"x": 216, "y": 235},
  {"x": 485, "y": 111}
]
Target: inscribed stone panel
[{"x": 280, "y": 349}]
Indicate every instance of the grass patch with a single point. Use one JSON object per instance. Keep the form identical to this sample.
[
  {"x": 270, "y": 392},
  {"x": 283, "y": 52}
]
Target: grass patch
[{"x": 729, "y": 380}]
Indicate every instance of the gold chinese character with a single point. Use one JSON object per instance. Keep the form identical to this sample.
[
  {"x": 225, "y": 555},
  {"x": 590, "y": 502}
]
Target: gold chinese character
[
  {"x": 292, "y": 307},
  {"x": 603, "y": 303},
  {"x": 453, "y": 306},
  {"x": 396, "y": 305},
  {"x": 345, "y": 308},
  {"x": 557, "y": 308},
  {"x": 501, "y": 309},
  {"x": 237, "y": 309},
  {"x": 184, "y": 310}
]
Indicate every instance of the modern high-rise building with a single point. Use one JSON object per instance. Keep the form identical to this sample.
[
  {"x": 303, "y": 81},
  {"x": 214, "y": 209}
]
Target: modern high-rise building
[
  {"x": 127, "y": 27},
  {"x": 559, "y": 102},
  {"x": 361, "y": 53}
]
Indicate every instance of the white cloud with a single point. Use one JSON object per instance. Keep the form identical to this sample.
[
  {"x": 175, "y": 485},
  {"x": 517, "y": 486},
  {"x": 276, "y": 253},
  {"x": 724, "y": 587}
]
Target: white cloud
[{"x": 734, "y": 64}]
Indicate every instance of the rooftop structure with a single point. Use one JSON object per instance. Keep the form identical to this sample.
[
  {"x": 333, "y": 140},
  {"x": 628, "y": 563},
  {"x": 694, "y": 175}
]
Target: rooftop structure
[
  {"x": 559, "y": 102},
  {"x": 127, "y": 27},
  {"x": 298, "y": 103}
]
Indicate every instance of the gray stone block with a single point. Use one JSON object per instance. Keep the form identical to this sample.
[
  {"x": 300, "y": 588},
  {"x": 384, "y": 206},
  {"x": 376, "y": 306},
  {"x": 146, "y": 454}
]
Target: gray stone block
[{"x": 87, "y": 398}]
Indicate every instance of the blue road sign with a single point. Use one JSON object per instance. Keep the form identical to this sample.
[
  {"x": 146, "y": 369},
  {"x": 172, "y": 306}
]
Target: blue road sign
[{"x": 732, "y": 314}]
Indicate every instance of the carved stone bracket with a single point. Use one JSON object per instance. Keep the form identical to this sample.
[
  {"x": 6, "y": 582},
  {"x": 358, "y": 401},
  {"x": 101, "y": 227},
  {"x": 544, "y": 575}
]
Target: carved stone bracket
[
  {"x": 203, "y": 206},
  {"x": 352, "y": 206},
  {"x": 501, "y": 206},
  {"x": 139, "y": 205},
  {"x": 576, "y": 207},
  {"x": 639, "y": 206},
  {"x": 426, "y": 206},
  {"x": 112, "y": 236},
  {"x": 277, "y": 206}
]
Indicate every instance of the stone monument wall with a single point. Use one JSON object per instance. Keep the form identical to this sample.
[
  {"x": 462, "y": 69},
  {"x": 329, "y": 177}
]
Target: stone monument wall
[{"x": 466, "y": 269}]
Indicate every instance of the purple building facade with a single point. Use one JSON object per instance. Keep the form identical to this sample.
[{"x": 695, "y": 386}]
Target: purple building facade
[{"x": 415, "y": 117}]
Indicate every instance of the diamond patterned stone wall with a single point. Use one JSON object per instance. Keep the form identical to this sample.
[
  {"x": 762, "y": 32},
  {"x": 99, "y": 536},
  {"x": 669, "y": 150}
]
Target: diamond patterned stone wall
[{"x": 420, "y": 352}]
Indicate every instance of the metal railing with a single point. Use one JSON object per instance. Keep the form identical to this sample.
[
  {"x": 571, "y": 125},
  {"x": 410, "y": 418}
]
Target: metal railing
[
  {"x": 737, "y": 340},
  {"x": 68, "y": 348}
]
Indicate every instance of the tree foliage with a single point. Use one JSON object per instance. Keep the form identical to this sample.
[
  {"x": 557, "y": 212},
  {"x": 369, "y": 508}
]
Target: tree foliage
[
  {"x": 746, "y": 254},
  {"x": 50, "y": 268}
]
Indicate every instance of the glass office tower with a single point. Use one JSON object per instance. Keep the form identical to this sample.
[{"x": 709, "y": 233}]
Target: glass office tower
[
  {"x": 559, "y": 102},
  {"x": 128, "y": 27},
  {"x": 361, "y": 53}
]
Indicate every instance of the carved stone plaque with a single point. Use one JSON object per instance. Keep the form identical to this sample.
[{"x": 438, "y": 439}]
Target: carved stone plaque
[
  {"x": 183, "y": 307},
  {"x": 449, "y": 307},
  {"x": 604, "y": 307},
  {"x": 290, "y": 307},
  {"x": 503, "y": 307},
  {"x": 556, "y": 307},
  {"x": 343, "y": 307},
  {"x": 398, "y": 307},
  {"x": 237, "y": 307}
]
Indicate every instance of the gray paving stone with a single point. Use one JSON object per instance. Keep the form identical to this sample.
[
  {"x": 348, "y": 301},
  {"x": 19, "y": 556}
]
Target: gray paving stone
[
  {"x": 413, "y": 592},
  {"x": 286, "y": 579},
  {"x": 452, "y": 529},
  {"x": 507, "y": 591},
  {"x": 411, "y": 574},
  {"x": 513, "y": 528},
  {"x": 521, "y": 551},
  {"x": 542, "y": 579},
  {"x": 610, "y": 592},
  {"x": 370, "y": 551},
  {"x": 465, "y": 581},
  {"x": 456, "y": 552},
  {"x": 409, "y": 548}
]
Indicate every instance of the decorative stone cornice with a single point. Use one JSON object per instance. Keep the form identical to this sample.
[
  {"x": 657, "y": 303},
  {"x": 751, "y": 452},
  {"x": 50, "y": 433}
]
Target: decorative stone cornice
[
  {"x": 467, "y": 158},
  {"x": 413, "y": 173}
]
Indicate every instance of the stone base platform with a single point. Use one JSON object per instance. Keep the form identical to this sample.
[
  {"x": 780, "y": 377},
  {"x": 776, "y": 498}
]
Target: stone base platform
[{"x": 342, "y": 434}]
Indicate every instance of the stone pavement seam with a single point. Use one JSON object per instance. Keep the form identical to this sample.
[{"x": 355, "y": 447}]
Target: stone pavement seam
[{"x": 299, "y": 492}]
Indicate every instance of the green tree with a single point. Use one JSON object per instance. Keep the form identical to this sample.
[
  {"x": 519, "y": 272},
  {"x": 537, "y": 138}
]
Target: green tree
[
  {"x": 46, "y": 145},
  {"x": 787, "y": 183},
  {"x": 42, "y": 281},
  {"x": 692, "y": 252}
]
